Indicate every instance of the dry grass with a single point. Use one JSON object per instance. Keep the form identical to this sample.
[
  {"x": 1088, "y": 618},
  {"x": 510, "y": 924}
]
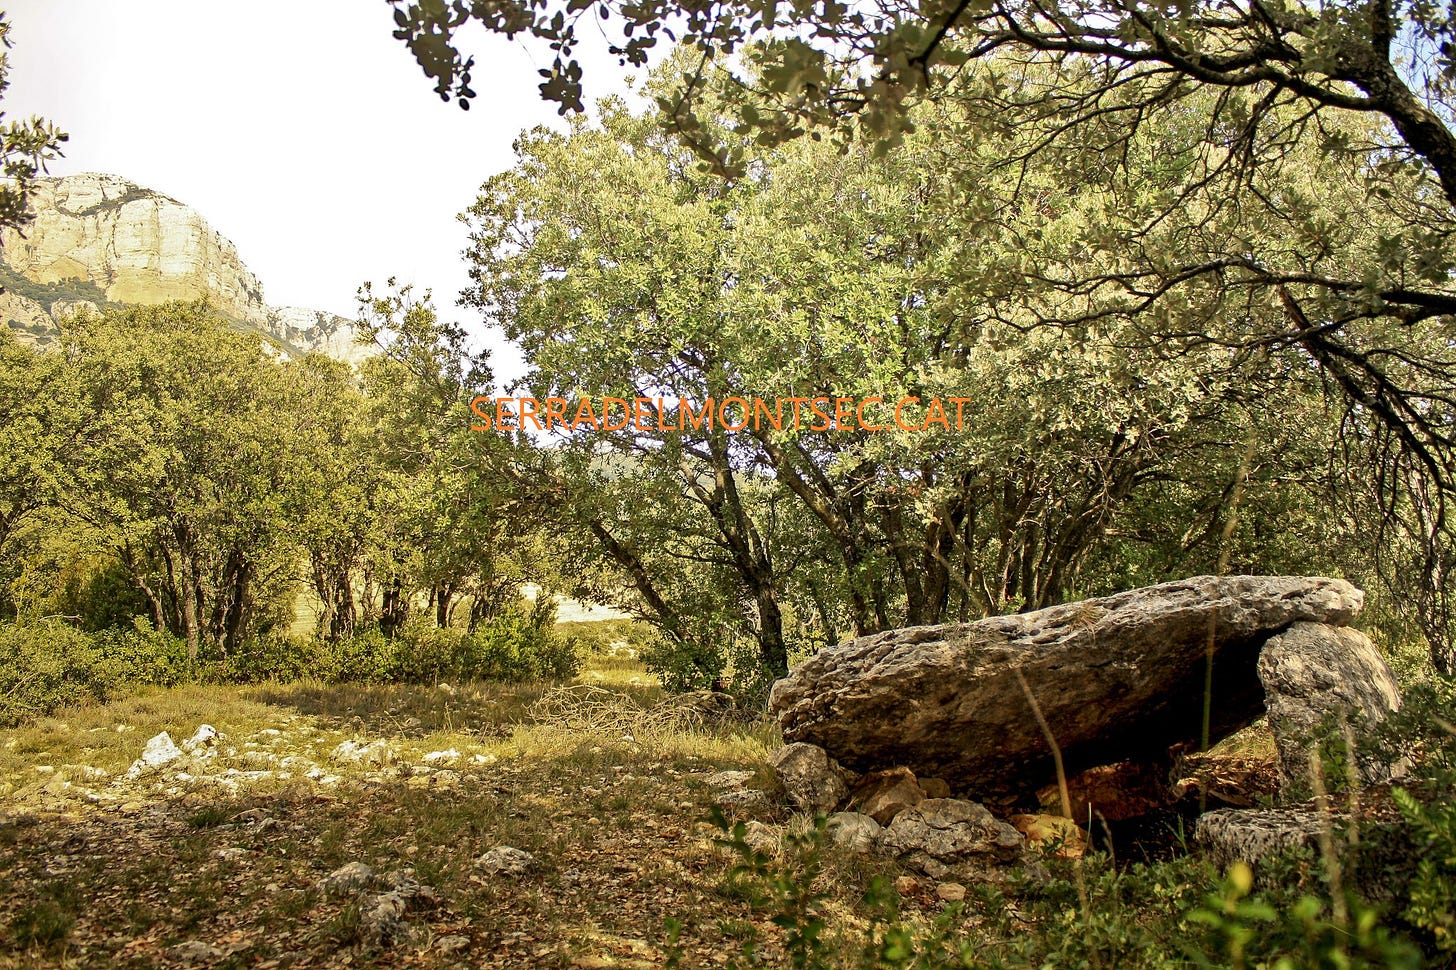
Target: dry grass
[{"x": 606, "y": 788}]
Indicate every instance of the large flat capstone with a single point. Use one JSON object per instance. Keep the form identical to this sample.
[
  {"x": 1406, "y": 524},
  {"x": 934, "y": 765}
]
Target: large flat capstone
[{"x": 1117, "y": 678}]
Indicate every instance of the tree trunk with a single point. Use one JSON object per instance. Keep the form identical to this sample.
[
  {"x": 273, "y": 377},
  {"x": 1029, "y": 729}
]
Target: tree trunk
[{"x": 772, "y": 651}]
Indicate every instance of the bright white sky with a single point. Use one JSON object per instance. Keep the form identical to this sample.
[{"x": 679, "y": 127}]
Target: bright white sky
[{"x": 300, "y": 129}]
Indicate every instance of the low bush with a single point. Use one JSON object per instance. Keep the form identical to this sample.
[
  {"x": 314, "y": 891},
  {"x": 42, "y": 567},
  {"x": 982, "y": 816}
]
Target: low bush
[
  {"x": 47, "y": 665},
  {"x": 145, "y": 655},
  {"x": 1176, "y": 913}
]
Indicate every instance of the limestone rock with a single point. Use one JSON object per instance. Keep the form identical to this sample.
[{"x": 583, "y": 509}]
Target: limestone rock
[
  {"x": 813, "y": 781},
  {"x": 195, "y": 951},
  {"x": 950, "y": 892},
  {"x": 357, "y": 752},
  {"x": 133, "y": 244},
  {"x": 949, "y": 837},
  {"x": 761, "y": 837},
  {"x": 1056, "y": 834},
  {"x": 1314, "y": 674},
  {"x": 1231, "y": 835},
  {"x": 109, "y": 240},
  {"x": 731, "y": 792},
  {"x": 507, "y": 861},
  {"x": 381, "y": 918},
  {"x": 354, "y": 877},
  {"x": 934, "y": 787},
  {"x": 724, "y": 780},
  {"x": 404, "y": 883},
  {"x": 159, "y": 751},
  {"x": 305, "y": 331},
  {"x": 27, "y": 321},
  {"x": 854, "y": 832},
  {"x": 74, "y": 309},
  {"x": 1118, "y": 678},
  {"x": 1388, "y": 856},
  {"x": 203, "y": 742},
  {"x": 884, "y": 794},
  {"x": 743, "y": 802}
]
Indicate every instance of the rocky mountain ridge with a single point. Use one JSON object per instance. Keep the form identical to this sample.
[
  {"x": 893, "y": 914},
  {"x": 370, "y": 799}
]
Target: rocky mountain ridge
[{"x": 101, "y": 239}]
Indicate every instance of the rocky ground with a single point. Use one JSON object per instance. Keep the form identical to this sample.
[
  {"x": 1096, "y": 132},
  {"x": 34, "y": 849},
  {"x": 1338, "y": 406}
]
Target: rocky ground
[{"x": 482, "y": 826}]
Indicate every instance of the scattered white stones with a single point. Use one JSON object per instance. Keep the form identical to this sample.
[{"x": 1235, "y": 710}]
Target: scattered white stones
[
  {"x": 505, "y": 860},
  {"x": 356, "y": 752},
  {"x": 158, "y": 752},
  {"x": 203, "y": 743},
  {"x": 450, "y": 754},
  {"x": 381, "y": 915}
]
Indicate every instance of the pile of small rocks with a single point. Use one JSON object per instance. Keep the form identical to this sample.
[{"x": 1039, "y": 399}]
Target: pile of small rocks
[{"x": 917, "y": 821}]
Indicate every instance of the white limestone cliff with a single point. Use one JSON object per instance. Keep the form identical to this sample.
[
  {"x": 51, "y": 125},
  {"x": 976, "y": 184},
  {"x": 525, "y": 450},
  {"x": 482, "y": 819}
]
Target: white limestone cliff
[{"x": 101, "y": 238}]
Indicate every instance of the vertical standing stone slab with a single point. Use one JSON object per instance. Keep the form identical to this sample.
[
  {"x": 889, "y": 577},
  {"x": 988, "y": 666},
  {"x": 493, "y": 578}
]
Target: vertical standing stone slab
[{"x": 1314, "y": 676}]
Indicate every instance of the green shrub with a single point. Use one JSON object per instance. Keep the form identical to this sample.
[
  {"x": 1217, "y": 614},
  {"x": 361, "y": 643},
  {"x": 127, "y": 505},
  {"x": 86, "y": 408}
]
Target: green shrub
[
  {"x": 1280, "y": 928},
  {"x": 143, "y": 655},
  {"x": 513, "y": 647},
  {"x": 103, "y": 598},
  {"x": 47, "y": 665},
  {"x": 683, "y": 665},
  {"x": 1091, "y": 913},
  {"x": 1433, "y": 887}
]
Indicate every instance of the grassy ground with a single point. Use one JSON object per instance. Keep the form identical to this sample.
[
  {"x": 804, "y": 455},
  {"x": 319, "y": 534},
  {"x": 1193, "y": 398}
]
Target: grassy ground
[{"x": 219, "y": 860}]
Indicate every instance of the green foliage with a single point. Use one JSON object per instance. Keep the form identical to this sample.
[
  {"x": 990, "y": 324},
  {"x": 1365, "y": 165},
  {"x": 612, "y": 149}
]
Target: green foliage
[
  {"x": 789, "y": 893},
  {"x": 682, "y": 665},
  {"x": 1088, "y": 461},
  {"x": 1433, "y": 888},
  {"x": 1424, "y": 731},
  {"x": 49, "y": 294},
  {"x": 104, "y": 598},
  {"x": 49, "y": 664},
  {"x": 44, "y": 666},
  {"x": 1293, "y": 932},
  {"x": 1090, "y": 914},
  {"x": 25, "y": 148},
  {"x": 513, "y": 647},
  {"x": 145, "y": 655}
]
